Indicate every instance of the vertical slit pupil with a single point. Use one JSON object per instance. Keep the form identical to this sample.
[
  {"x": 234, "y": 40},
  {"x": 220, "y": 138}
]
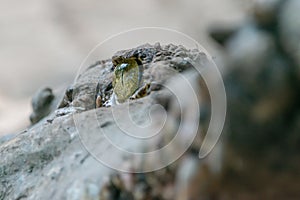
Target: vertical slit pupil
[{"x": 122, "y": 67}]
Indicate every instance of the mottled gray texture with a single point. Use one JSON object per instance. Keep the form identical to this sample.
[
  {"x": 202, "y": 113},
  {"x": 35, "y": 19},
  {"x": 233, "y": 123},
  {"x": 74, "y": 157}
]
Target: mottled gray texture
[{"x": 48, "y": 160}]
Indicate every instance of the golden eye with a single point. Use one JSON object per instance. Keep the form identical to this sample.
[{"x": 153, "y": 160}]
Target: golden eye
[{"x": 126, "y": 79}]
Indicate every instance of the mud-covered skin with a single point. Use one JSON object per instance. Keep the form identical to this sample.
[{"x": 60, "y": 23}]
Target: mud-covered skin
[
  {"x": 52, "y": 148},
  {"x": 143, "y": 54}
]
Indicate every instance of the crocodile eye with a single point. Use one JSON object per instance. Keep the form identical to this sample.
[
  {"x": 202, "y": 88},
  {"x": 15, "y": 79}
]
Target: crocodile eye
[{"x": 126, "y": 79}]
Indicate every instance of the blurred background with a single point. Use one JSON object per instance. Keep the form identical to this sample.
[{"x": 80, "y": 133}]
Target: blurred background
[{"x": 43, "y": 42}]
